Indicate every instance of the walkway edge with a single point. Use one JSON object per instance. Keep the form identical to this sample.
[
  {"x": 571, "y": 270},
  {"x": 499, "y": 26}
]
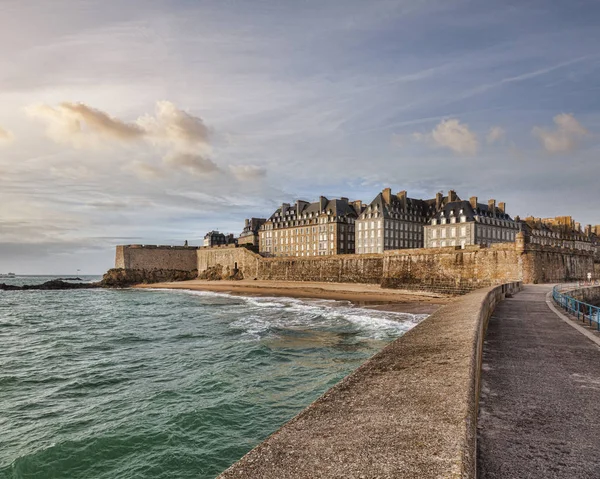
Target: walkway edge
[{"x": 569, "y": 321}]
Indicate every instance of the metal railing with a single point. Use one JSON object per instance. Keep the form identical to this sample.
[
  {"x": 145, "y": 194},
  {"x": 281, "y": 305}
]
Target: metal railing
[{"x": 584, "y": 311}]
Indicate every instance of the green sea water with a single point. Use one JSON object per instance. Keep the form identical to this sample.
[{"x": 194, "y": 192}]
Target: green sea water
[{"x": 105, "y": 384}]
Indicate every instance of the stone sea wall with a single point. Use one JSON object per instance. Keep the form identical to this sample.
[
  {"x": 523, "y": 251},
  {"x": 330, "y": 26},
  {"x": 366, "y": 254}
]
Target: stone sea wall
[
  {"x": 448, "y": 270},
  {"x": 410, "y": 411},
  {"x": 150, "y": 257}
]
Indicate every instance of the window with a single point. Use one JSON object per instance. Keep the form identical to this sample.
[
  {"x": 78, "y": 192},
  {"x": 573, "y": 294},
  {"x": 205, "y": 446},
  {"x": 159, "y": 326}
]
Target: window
[{"x": 463, "y": 231}]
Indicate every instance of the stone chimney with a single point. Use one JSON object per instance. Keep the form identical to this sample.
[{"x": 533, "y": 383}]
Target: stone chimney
[
  {"x": 246, "y": 222},
  {"x": 578, "y": 227},
  {"x": 343, "y": 198},
  {"x": 402, "y": 198},
  {"x": 451, "y": 196},
  {"x": 502, "y": 207},
  {"x": 473, "y": 201},
  {"x": 492, "y": 206},
  {"x": 439, "y": 198},
  {"x": 322, "y": 203},
  {"x": 387, "y": 195},
  {"x": 588, "y": 230},
  {"x": 357, "y": 205},
  {"x": 300, "y": 205}
]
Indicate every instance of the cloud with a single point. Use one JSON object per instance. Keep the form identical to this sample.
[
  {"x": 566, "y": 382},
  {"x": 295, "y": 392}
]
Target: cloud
[
  {"x": 6, "y": 136},
  {"x": 451, "y": 134},
  {"x": 193, "y": 163},
  {"x": 175, "y": 127},
  {"x": 495, "y": 134},
  {"x": 80, "y": 125},
  {"x": 145, "y": 171},
  {"x": 248, "y": 172},
  {"x": 456, "y": 136},
  {"x": 565, "y": 137}
]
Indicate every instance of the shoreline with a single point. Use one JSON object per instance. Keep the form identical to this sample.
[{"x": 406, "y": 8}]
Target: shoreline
[{"x": 361, "y": 295}]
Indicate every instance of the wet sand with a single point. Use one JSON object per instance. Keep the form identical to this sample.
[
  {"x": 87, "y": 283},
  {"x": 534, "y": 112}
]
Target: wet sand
[{"x": 363, "y": 295}]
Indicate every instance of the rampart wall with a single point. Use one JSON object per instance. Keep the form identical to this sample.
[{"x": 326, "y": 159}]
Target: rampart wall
[
  {"x": 451, "y": 270},
  {"x": 150, "y": 257}
]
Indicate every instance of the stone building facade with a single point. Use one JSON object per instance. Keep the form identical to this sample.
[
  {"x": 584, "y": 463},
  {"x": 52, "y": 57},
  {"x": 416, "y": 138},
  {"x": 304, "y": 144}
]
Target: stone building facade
[
  {"x": 249, "y": 235},
  {"x": 324, "y": 227},
  {"x": 395, "y": 221},
  {"x": 216, "y": 238},
  {"x": 562, "y": 232},
  {"x": 464, "y": 223}
]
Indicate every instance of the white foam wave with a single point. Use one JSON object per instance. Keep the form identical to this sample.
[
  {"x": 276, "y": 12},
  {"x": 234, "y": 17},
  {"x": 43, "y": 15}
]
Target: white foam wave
[{"x": 258, "y": 316}]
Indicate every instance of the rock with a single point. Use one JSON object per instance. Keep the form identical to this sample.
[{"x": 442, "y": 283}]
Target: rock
[{"x": 54, "y": 284}]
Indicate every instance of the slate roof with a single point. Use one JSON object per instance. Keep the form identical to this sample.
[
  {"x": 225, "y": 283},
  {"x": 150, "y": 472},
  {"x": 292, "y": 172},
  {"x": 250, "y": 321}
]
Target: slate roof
[
  {"x": 453, "y": 209},
  {"x": 337, "y": 207}
]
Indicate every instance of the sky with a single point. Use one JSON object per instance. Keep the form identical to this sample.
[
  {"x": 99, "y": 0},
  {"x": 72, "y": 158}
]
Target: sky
[{"x": 153, "y": 122}]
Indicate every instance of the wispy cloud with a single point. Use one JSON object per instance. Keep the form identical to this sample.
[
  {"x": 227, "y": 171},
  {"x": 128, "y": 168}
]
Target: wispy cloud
[
  {"x": 191, "y": 163},
  {"x": 565, "y": 137},
  {"x": 6, "y": 136},
  {"x": 248, "y": 172},
  {"x": 495, "y": 134}
]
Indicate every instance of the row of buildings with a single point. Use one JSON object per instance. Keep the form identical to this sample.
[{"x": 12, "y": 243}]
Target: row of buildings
[{"x": 395, "y": 221}]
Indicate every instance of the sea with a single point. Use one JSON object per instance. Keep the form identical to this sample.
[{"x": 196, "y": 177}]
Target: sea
[{"x": 105, "y": 384}]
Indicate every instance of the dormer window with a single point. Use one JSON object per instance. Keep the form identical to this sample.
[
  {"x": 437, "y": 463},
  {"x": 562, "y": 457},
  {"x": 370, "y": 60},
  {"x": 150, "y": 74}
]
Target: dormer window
[
  {"x": 443, "y": 221},
  {"x": 434, "y": 222}
]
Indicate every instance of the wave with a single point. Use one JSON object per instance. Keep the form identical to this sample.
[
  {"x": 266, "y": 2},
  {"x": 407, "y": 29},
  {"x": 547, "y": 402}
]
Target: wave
[{"x": 259, "y": 316}]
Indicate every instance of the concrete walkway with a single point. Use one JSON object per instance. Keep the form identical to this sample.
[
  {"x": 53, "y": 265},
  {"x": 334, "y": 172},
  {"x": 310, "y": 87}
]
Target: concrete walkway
[{"x": 539, "y": 413}]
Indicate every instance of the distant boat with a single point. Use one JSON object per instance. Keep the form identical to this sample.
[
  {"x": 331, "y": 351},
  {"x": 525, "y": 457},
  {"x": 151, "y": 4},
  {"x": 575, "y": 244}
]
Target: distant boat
[{"x": 9, "y": 275}]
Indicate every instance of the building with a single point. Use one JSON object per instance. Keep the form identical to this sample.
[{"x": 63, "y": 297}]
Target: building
[
  {"x": 462, "y": 223},
  {"x": 561, "y": 231},
  {"x": 324, "y": 227},
  {"x": 249, "y": 236},
  {"x": 215, "y": 238},
  {"x": 396, "y": 221}
]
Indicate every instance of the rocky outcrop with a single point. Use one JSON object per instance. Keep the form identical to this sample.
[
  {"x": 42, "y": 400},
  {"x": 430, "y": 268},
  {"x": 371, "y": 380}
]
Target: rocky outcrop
[
  {"x": 50, "y": 285},
  {"x": 123, "y": 278},
  {"x": 218, "y": 272}
]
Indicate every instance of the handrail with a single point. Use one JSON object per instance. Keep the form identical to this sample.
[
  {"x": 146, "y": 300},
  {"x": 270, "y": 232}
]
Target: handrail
[{"x": 576, "y": 307}]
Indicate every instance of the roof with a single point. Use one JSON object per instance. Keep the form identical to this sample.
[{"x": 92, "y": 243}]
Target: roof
[
  {"x": 454, "y": 208},
  {"x": 338, "y": 207}
]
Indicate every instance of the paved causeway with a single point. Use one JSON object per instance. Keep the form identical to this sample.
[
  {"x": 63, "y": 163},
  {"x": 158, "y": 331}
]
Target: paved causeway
[{"x": 540, "y": 403}]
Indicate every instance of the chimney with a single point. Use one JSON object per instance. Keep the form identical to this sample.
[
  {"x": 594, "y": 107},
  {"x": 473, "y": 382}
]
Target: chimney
[
  {"x": 502, "y": 207},
  {"x": 588, "y": 230},
  {"x": 246, "y": 222},
  {"x": 322, "y": 203},
  {"x": 451, "y": 196},
  {"x": 343, "y": 198},
  {"x": 578, "y": 227},
  {"x": 438, "y": 201},
  {"x": 402, "y": 198},
  {"x": 473, "y": 201},
  {"x": 387, "y": 195},
  {"x": 357, "y": 205},
  {"x": 492, "y": 206}
]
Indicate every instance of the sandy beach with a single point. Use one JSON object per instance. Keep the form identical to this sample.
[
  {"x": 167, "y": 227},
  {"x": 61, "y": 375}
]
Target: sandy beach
[{"x": 363, "y": 295}]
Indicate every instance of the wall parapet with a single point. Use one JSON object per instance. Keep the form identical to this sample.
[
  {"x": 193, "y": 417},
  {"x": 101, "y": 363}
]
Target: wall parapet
[{"x": 410, "y": 411}]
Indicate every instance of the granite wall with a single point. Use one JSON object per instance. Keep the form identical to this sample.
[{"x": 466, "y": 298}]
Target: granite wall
[
  {"x": 449, "y": 270},
  {"x": 151, "y": 257}
]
